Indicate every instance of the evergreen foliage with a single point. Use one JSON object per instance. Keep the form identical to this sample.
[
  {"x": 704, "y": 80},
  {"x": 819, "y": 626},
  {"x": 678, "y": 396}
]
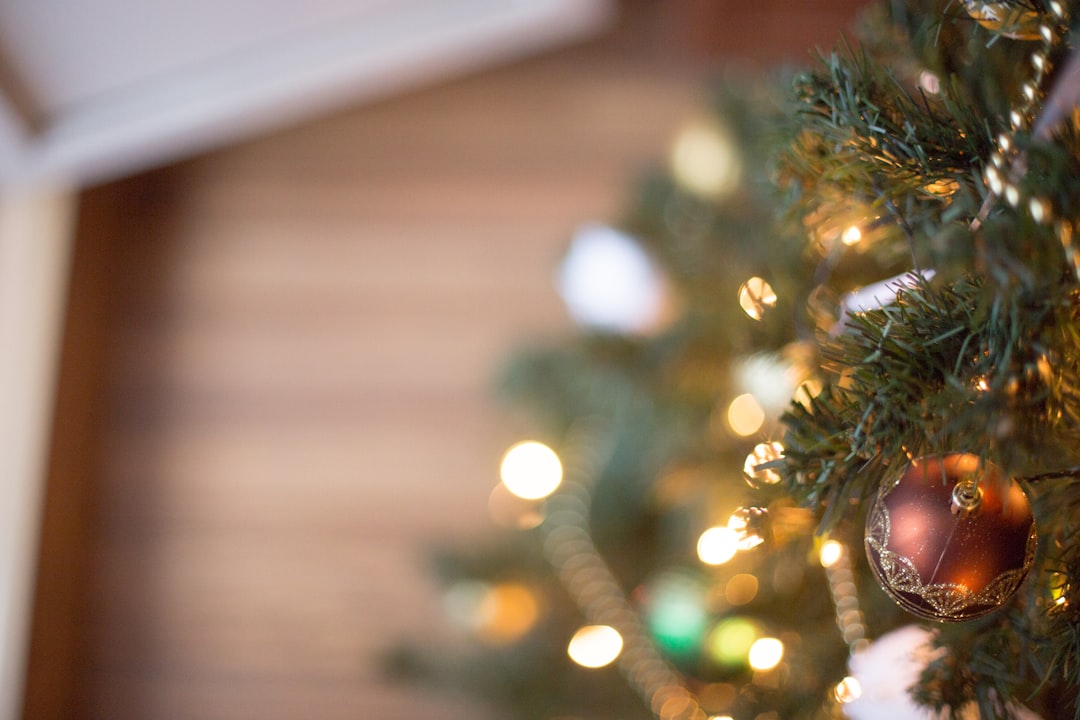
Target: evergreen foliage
[{"x": 975, "y": 347}]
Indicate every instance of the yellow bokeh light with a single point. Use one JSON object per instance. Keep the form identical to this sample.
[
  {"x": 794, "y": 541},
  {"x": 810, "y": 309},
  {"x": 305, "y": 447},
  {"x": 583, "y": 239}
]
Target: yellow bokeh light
[
  {"x": 717, "y": 545},
  {"x": 717, "y": 698},
  {"x": 756, "y": 296},
  {"x": 741, "y": 589},
  {"x": 847, "y": 690},
  {"x": 766, "y": 653},
  {"x": 746, "y": 522},
  {"x": 705, "y": 160},
  {"x": 745, "y": 415},
  {"x": 508, "y": 611},
  {"x": 1059, "y": 589},
  {"x": 763, "y": 453},
  {"x": 943, "y": 188},
  {"x": 831, "y": 552},
  {"x": 851, "y": 236},
  {"x": 498, "y": 614},
  {"x": 531, "y": 470},
  {"x": 678, "y": 707},
  {"x": 595, "y": 646}
]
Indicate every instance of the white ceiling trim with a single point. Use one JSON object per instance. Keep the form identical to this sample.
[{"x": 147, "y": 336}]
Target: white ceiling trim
[{"x": 265, "y": 87}]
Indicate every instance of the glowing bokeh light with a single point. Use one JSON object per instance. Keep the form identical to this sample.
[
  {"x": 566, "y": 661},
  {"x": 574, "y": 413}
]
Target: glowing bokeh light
[
  {"x": 748, "y": 524},
  {"x": 730, "y": 641},
  {"x": 705, "y": 160},
  {"x": 717, "y": 697},
  {"x": 741, "y": 589},
  {"x": 676, "y": 611},
  {"x": 531, "y": 470},
  {"x": 943, "y": 188},
  {"x": 507, "y": 612},
  {"x": 847, "y": 690},
  {"x": 851, "y": 236},
  {"x": 762, "y": 454},
  {"x": 595, "y": 646},
  {"x": 766, "y": 653},
  {"x": 717, "y": 545},
  {"x": 1059, "y": 590},
  {"x": 745, "y": 415},
  {"x": 831, "y": 552},
  {"x": 609, "y": 283},
  {"x": 498, "y": 614},
  {"x": 771, "y": 377},
  {"x": 756, "y": 296},
  {"x": 679, "y": 707}
]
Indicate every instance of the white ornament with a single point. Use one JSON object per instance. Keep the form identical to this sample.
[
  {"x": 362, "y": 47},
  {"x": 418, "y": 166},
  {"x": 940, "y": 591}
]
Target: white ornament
[
  {"x": 610, "y": 284},
  {"x": 886, "y": 671},
  {"x": 771, "y": 377},
  {"x": 877, "y": 295}
]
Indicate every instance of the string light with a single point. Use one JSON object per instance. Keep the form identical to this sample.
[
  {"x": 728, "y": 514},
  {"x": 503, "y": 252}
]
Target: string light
[
  {"x": 498, "y": 614},
  {"x": 717, "y": 545},
  {"x": 830, "y": 553},
  {"x": 748, "y": 523},
  {"x": 847, "y": 690},
  {"x": 755, "y": 468},
  {"x": 586, "y": 576},
  {"x": 595, "y": 646},
  {"x": 531, "y": 470},
  {"x": 766, "y": 653},
  {"x": 1007, "y": 164},
  {"x": 756, "y": 297},
  {"x": 851, "y": 236},
  {"x": 730, "y": 641},
  {"x": 745, "y": 416},
  {"x": 741, "y": 589},
  {"x": 849, "y": 617}
]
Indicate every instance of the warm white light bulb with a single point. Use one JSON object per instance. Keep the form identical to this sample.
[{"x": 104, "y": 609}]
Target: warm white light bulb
[
  {"x": 766, "y": 653},
  {"x": 531, "y": 470},
  {"x": 595, "y": 646},
  {"x": 717, "y": 545},
  {"x": 831, "y": 551},
  {"x": 705, "y": 160},
  {"x": 756, "y": 296},
  {"x": 847, "y": 690},
  {"x": 745, "y": 415}
]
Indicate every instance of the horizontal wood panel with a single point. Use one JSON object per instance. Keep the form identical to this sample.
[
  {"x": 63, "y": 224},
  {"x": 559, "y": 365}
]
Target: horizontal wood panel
[{"x": 298, "y": 338}]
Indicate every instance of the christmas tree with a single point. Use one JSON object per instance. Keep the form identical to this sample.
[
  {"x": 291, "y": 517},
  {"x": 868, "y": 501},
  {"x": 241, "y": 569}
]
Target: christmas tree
[{"x": 814, "y": 451}]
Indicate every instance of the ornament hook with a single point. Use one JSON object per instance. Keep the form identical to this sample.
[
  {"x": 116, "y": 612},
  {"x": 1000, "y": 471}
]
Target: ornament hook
[{"x": 966, "y": 497}]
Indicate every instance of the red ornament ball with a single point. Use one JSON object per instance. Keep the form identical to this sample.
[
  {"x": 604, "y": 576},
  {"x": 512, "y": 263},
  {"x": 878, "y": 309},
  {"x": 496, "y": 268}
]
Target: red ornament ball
[{"x": 950, "y": 538}]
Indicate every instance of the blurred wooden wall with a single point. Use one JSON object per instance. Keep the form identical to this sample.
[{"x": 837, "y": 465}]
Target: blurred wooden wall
[{"x": 275, "y": 385}]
